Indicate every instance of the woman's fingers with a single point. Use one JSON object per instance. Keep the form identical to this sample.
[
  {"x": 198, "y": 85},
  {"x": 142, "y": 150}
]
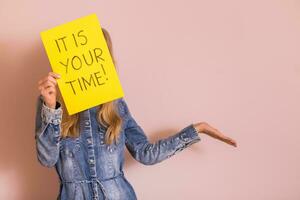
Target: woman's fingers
[
  {"x": 48, "y": 92},
  {"x": 46, "y": 84},
  {"x": 54, "y": 75},
  {"x": 225, "y": 138},
  {"x": 46, "y": 79},
  {"x": 229, "y": 140},
  {"x": 51, "y": 76},
  {"x": 215, "y": 133},
  {"x": 47, "y": 87}
]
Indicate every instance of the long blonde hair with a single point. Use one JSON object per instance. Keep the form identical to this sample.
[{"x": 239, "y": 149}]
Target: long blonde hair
[{"x": 107, "y": 114}]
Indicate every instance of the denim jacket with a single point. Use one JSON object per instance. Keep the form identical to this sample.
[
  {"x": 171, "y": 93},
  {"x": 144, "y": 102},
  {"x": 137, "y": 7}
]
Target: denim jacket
[{"x": 87, "y": 167}]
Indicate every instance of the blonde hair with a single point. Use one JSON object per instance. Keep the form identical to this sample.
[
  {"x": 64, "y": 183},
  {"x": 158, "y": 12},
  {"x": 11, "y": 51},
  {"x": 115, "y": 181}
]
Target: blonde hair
[{"x": 107, "y": 114}]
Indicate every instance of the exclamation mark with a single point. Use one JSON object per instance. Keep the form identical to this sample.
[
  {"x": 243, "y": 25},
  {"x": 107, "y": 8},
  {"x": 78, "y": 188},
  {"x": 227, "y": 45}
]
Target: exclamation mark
[{"x": 104, "y": 71}]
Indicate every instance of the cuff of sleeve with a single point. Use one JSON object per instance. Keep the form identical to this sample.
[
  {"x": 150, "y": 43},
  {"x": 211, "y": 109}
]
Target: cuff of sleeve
[
  {"x": 189, "y": 135},
  {"x": 50, "y": 115}
]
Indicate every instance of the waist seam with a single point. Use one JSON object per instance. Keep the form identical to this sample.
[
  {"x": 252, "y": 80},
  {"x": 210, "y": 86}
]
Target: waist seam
[{"x": 93, "y": 179}]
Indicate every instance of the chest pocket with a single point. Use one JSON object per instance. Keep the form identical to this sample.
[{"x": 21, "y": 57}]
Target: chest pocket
[
  {"x": 70, "y": 146},
  {"x": 70, "y": 150}
]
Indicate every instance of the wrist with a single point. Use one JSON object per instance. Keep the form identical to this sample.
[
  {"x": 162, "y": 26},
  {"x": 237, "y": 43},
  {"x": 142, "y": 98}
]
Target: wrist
[
  {"x": 54, "y": 106},
  {"x": 199, "y": 127},
  {"x": 50, "y": 105},
  {"x": 51, "y": 115}
]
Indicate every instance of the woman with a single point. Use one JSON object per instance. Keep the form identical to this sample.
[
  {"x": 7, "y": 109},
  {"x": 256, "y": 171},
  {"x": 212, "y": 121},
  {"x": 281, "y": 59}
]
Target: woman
[{"x": 87, "y": 148}]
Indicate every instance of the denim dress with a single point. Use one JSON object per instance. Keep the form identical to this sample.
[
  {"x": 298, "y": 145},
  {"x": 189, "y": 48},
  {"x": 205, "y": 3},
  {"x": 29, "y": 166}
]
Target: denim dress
[{"x": 89, "y": 169}]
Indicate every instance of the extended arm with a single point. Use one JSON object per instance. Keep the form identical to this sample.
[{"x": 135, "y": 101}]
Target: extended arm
[
  {"x": 47, "y": 132},
  {"x": 148, "y": 153}
]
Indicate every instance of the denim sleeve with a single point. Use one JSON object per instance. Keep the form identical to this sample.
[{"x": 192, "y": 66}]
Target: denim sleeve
[
  {"x": 47, "y": 132},
  {"x": 148, "y": 153}
]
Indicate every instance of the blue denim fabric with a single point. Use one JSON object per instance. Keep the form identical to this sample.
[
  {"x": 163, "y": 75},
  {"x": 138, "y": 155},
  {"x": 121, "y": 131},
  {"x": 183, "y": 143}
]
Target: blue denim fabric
[{"x": 90, "y": 169}]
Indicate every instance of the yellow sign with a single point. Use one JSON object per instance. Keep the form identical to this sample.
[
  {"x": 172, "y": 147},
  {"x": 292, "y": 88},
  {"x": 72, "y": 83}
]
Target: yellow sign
[{"x": 78, "y": 52}]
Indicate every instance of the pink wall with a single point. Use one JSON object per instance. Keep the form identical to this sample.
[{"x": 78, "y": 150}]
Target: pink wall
[{"x": 234, "y": 64}]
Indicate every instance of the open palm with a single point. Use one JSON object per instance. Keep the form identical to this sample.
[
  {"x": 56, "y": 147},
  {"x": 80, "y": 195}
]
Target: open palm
[{"x": 205, "y": 128}]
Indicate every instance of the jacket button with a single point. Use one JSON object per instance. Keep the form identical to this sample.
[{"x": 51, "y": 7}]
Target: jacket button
[
  {"x": 91, "y": 161},
  {"x": 89, "y": 141},
  {"x": 87, "y": 123}
]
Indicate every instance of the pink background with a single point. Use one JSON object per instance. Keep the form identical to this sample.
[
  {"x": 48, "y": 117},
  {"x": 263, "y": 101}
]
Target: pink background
[{"x": 234, "y": 64}]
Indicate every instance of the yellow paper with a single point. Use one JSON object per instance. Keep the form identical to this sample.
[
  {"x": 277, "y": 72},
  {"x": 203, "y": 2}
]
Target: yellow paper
[{"x": 78, "y": 52}]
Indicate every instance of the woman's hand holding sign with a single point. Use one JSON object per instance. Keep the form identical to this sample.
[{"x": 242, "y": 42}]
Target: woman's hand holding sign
[{"x": 47, "y": 86}]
